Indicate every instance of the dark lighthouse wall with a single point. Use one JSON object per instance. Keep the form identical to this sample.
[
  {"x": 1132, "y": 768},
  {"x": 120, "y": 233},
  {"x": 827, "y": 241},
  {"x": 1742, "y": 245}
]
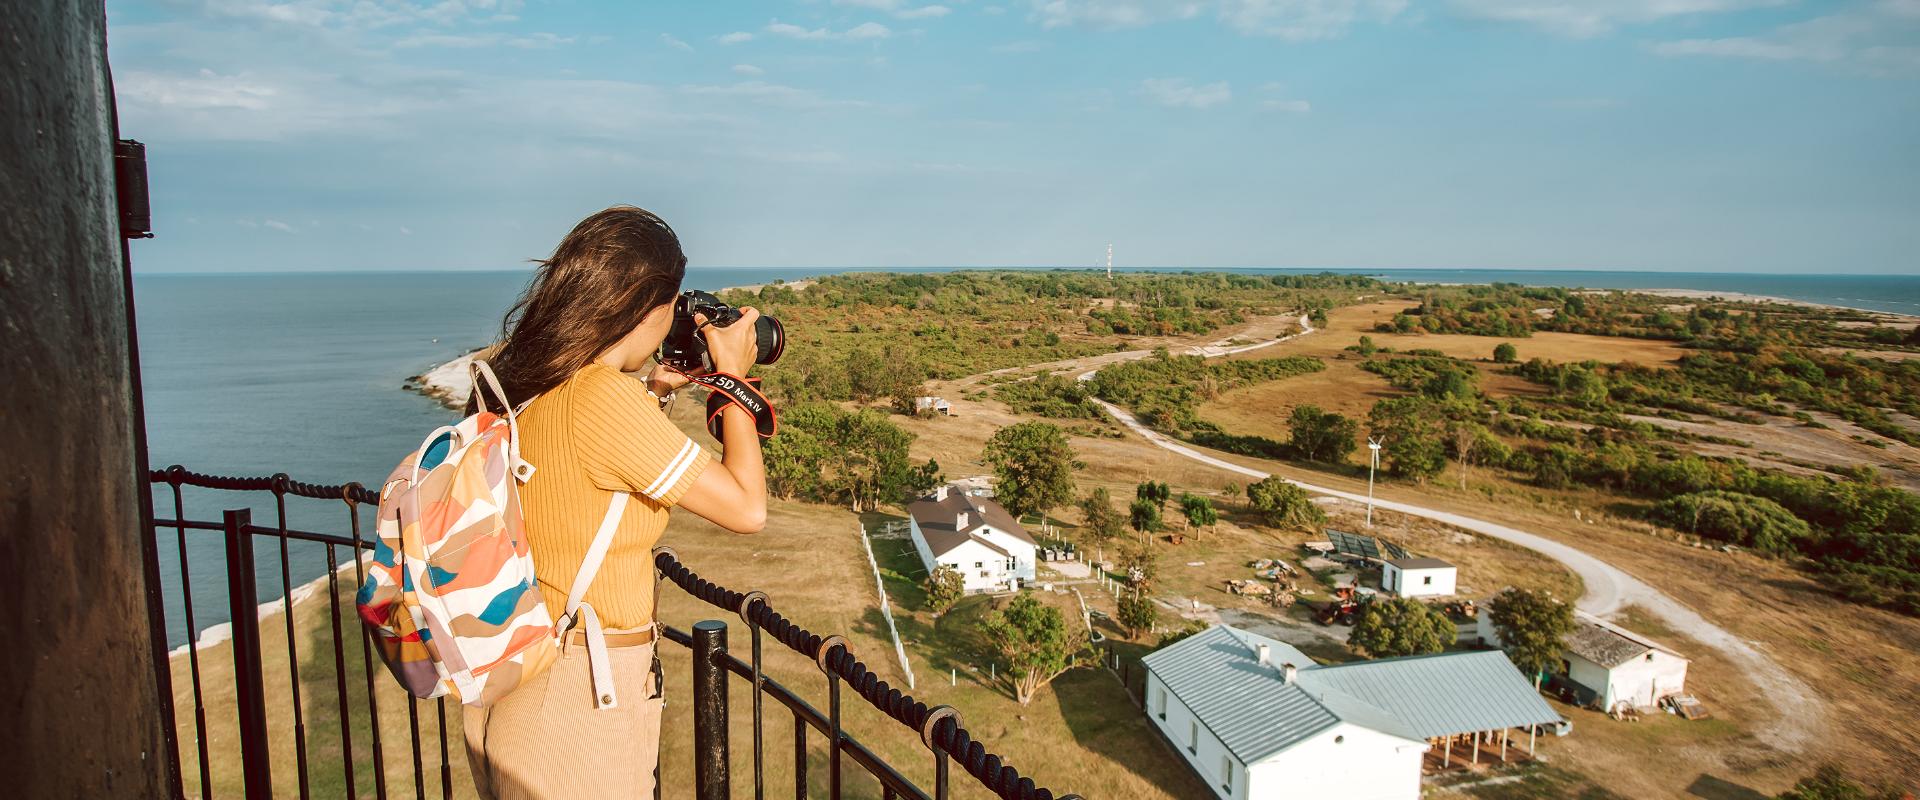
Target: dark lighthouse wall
[{"x": 79, "y": 712}]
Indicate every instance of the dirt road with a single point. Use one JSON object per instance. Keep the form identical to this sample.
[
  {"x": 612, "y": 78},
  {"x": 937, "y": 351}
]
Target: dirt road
[{"x": 1802, "y": 716}]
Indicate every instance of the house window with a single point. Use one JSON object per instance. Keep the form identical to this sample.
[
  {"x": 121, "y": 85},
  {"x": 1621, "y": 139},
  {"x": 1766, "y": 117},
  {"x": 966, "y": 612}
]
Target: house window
[
  {"x": 1160, "y": 702},
  {"x": 979, "y": 564},
  {"x": 985, "y": 574},
  {"x": 1226, "y": 774},
  {"x": 1193, "y": 736},
  {"x": 1427, "y": 580}
]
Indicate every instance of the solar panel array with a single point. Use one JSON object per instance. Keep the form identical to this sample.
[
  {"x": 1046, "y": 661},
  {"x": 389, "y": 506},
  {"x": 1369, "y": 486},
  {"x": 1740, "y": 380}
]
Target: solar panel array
[{"x": 1364, "y": 546}]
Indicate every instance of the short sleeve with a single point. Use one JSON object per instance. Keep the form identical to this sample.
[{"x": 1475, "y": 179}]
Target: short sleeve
[{"x": 626, "y": 443}]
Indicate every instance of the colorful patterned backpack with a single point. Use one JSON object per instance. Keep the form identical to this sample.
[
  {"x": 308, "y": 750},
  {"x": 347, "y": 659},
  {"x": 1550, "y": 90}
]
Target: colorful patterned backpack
[{"x": 450, "y": 598}]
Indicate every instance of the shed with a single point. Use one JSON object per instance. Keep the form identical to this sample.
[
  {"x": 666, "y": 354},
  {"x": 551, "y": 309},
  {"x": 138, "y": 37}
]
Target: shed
[
  {"x": 1418, "y": 577},
  {"x": 1619, "y": 666}
]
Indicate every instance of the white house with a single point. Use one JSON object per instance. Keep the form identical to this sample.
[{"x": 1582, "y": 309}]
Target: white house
[
  {"x": 975, "y": 536},
  {"x": 1619, "y": 666},
  {"x": 1418, "y": 577},
  {"x": 1607, "y": 664},
  {"x": 1258, "y": 720}
]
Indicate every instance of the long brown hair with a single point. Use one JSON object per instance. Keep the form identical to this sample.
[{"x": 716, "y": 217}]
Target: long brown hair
[{"x": 602, "y": 279}]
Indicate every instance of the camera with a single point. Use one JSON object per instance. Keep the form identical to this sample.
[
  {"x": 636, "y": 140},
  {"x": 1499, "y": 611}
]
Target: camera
[{"x": 684, "y": 348}]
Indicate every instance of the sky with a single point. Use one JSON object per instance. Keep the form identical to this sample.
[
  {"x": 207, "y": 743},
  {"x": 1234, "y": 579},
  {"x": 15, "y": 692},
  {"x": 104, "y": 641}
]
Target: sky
[{"x": 1684, "y": 135}]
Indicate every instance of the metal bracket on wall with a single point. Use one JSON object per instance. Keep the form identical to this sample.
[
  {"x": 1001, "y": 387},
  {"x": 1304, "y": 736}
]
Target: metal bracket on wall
[{"x": 130, "y": 188}]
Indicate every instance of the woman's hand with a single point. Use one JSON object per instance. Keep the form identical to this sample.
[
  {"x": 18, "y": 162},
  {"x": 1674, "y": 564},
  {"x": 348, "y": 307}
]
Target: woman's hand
[{"x": 732, "y": 349}]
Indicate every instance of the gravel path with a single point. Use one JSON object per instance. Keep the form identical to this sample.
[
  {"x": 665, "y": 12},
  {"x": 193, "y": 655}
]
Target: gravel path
[{"x": 1802, "y": 716}]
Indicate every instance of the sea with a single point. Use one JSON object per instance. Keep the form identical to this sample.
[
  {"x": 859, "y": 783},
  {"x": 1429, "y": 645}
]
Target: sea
[{"x": 249, "y": 374}]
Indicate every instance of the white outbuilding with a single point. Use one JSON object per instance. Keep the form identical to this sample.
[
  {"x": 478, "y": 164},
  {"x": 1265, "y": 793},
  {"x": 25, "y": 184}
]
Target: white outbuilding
[
  {"x": 975, "y": 536},
  {"x": 1620, "y": 667},
  {"x": 1418, "y": 577},
  {"x": 1257, "y": 719}
]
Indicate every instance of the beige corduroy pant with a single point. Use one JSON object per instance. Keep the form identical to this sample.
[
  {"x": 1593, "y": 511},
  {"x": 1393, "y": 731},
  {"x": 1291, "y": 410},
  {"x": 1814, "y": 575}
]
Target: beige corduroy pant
[{"x": 545, "y": 740}]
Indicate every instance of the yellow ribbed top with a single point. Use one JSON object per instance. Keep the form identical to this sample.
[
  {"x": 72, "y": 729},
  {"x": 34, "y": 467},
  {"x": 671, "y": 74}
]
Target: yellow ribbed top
[{"x": 598, "y": 433}]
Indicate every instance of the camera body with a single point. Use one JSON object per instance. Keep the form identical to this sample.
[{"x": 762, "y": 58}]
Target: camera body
[{"x": 685, "y": 350}]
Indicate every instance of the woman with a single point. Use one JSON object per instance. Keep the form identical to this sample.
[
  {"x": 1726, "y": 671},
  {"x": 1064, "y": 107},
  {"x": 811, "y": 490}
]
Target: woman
[{"x": 598, "y": 308}]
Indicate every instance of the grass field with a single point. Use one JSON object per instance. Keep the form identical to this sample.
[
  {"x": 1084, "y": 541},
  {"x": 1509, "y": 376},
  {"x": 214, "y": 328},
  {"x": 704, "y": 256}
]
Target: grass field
[
  {"x": 1081, "y": 735},
  {"x": 1857, "y": 659},
  {"x": 1344, "y": 388}
]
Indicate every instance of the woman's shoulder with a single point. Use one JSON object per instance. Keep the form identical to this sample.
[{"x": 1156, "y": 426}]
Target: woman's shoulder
[{"x": 598, "y": 388}]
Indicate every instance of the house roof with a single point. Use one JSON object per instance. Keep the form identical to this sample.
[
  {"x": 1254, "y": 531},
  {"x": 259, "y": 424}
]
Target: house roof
[
  {"x": 1441, "y": 694},
  {"x": 1609, "y": 646},
  {"x": 936, "y": 517},
  {"x": 1252, "y": 711},
  {"x": 1420, "y": 563},
  {"x": 1256, "y": 714}
]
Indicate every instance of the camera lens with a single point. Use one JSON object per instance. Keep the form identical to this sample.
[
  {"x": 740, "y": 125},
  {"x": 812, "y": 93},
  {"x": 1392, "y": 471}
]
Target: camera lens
[{"x": 771, "y": 337}]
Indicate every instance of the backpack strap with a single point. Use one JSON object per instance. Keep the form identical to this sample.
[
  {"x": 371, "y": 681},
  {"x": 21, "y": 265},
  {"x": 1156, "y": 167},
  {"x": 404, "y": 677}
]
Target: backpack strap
[
  {"x": 578, "y": 610},
  {"x": 479, "y": 370}
]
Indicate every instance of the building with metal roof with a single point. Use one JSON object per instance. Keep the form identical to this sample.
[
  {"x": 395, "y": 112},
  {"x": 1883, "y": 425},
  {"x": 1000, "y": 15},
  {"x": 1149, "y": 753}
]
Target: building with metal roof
[
  {"x": 974, "y": 535},
  {"x": 1255, "y": 717}
]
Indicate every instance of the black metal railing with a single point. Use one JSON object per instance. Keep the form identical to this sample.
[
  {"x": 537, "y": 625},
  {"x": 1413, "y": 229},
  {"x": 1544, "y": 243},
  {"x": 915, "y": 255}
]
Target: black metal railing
[{"x": 939, "y": 728}]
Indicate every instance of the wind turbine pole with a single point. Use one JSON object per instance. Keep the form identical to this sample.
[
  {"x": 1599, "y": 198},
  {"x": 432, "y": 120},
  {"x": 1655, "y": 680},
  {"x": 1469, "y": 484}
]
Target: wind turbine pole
[
  {"x": 1373, "y": 463},
  {"x": 1109, "y": 261}
]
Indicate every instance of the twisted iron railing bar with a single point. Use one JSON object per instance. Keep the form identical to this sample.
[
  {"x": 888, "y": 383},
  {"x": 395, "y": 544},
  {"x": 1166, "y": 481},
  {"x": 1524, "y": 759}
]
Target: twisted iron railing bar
[{"x": 946, "y": 735}]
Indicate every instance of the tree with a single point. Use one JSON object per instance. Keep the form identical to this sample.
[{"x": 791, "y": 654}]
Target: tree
[
  {"x": 827, "y": 454},
  {"x": 1141, "y": 563},
  {"x": 1466, "y": 437},
  {"x": 1506, "y": 353},
  {"x": 1198, "y": 510},
  {"x": 1102, "y": 523},
  {"x": 1829, "y": 783},
  {"x": 1530, "y": 626},
  {"x": 1283, "y": 505},
  {"x": 1035, "y": 466},
  {"x": 1322, "y": 436},
  {"x": 1144, "y": 515},
  {"x": 1035, "y": 640},
  {"x": 1742, "y": 519},
  {"x": 1158, "y": 493},
  {"x": 945, "y": 586},
  {"x": 1138, "y": 614},
  {"x": 1366, "y": 347},
  {"x": 1415, "y": 431},
  {"x": 1401, "y": 626}
]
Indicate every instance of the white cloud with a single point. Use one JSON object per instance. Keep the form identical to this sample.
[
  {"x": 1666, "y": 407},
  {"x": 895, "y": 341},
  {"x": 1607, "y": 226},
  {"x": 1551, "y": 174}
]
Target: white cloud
[
  {"x": 674, "y": 42},
  {"x": 898, "y": 8},
  {"x": 278, "y": 226},
  {"x": 1292, "y": 20},
  {"x": 748, "y": 69},
  {"x": 773, "y": 94},
  {"x": 736, "y": 37},
  {"x": 360, "y": 14},
  {"x": 865, "y": 30},
  {"x": 1589, "y": 18},
  {"x": 1877, "y": 40},
  {"x": 1287, "y": 106},
  {"x": 531, "y": 41},
  {"x": 1179, "y": 93},
  {"x": 202, "y": 91},
  {"x": 404, "y": 230}
]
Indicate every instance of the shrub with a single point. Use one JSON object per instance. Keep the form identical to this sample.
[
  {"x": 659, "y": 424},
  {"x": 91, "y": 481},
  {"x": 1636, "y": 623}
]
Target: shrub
[
  {"x": 1284, "y": 505},
  {"x": 1742, "y": 519}
]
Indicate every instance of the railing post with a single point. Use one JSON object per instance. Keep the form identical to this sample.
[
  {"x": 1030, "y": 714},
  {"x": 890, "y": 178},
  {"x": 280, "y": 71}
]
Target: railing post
[
  {"x": 249, "y": 691},
  {"x": 710, "y": 779}
]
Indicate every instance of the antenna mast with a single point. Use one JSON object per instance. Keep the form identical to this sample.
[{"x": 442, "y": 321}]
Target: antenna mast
[{"x": 1109, "y": 261}]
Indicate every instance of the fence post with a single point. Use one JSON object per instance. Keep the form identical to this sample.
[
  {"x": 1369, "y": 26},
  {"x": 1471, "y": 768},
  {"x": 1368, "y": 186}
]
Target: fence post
[
  {"x": 711, "y": 781},
  {"x": 249, "y": 692}
]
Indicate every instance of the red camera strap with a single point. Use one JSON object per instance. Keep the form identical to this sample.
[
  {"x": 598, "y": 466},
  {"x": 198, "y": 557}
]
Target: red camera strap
[{"x": 729, "y": 389}]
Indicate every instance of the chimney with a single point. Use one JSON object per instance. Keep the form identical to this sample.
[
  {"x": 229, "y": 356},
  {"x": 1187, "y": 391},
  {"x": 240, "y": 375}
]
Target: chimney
[
  {"x": 940, "y": 494},
  {"x": 960, "y": 521},
  {"x": 1288, "y": 673},
  {"x": 1264, "y": 653}
]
